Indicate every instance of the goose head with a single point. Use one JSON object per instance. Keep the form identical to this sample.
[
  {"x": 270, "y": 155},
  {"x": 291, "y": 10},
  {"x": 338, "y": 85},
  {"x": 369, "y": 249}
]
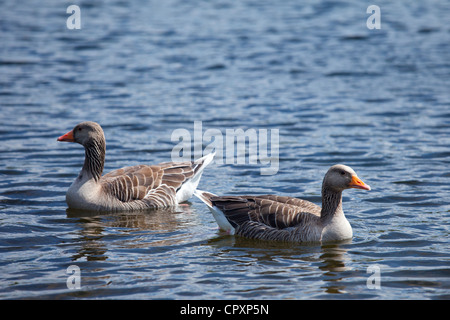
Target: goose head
[
  {"x": 84, "y": 133},
  {"x": 340, "y": 177}
]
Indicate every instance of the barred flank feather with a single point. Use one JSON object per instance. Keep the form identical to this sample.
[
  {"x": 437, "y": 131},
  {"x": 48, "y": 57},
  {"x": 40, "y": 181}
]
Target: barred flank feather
[{"x": 270, "y": 217}]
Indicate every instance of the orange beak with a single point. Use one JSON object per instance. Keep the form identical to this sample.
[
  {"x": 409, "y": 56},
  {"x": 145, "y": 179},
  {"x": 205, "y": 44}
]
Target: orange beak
[
  {"x": 67, "y": 137},
  {"x": 358, "y": 184}
]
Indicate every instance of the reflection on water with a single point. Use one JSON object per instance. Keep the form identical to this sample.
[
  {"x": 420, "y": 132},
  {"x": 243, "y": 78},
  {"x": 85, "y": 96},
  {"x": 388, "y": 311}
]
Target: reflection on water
[
  {"x": 335, "y": 257},
  {"x": 287, "y": 262},
  {"x": 159, "y": 219},
  {"x": 97, "y": 230}
]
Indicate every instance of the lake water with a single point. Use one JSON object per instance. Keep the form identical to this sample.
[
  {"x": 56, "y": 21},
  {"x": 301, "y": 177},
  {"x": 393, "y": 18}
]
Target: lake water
[{"x": 377, "y": 100}]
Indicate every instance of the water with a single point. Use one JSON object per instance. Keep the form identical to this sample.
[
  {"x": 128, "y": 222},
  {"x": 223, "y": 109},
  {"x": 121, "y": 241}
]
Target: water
[{"x": 377, "y": 100}]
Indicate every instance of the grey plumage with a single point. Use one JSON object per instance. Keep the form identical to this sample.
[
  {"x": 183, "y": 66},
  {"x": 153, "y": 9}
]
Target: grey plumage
[
  {"x": 282, "y": 218},
  {"x": 270, "y": 217},
  {"x": 130, "y": 188}
]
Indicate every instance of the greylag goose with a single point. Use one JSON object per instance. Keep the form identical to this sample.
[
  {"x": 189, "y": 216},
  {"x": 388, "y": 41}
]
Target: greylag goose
[
  {"x": 281, "y": 218},
  {"x": 130, "y": 188}
]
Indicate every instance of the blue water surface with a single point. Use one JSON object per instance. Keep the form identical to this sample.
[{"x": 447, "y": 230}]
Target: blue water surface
[{"x": 336, "y": 91}]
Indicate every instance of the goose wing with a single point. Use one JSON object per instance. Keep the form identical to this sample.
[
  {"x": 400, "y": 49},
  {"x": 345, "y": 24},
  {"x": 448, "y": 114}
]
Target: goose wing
[
  {"x": 138, "y": 182},
  {"x": 273, "y": 211}
]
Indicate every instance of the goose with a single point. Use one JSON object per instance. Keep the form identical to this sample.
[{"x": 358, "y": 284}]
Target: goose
[
  {"x": 282, "y": 218},
  {"x": 130, "y": 188}
]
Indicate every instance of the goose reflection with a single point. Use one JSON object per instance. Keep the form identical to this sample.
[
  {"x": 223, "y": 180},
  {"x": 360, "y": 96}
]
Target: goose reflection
[
  {"x": 99, "y": 231},
  {"x": 334, "y": 258},
  {"x": 288, "y": 260}
]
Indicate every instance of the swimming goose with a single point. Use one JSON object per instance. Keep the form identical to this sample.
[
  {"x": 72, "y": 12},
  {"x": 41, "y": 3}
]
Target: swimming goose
[
  {"x": 271, "y": 217},
  {"x": 130, "y": 188}
]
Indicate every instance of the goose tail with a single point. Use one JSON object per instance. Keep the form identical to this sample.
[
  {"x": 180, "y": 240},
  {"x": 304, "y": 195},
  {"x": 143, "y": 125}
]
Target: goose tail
[
  {"x": 188, "y": 188},
  {"x": 218, "y": 215}
]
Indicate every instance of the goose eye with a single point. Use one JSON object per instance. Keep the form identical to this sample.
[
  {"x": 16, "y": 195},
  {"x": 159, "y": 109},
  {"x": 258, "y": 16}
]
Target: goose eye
[{"x": 342, "y": 173}]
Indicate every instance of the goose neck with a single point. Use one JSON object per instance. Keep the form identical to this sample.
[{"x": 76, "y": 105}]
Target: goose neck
[
  {"x": 331, "y": 203},
  {"x": 94, "y": 159}
]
